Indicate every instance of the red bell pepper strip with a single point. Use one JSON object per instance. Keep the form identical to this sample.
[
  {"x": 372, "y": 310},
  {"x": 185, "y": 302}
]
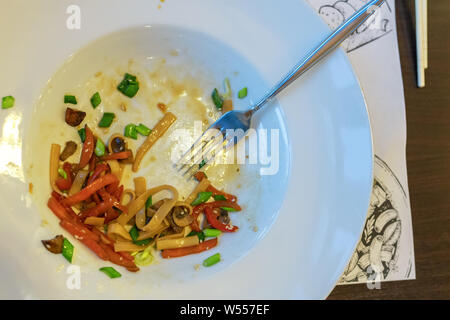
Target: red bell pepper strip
[
  {"x": 110, "y": 215},
  {"x": 90, "y": 189},
  {"x": 180, "y": 252},
  {"x": 102, "y": 167},
  {"x": 99, "y": 209},
  {"x": 216, "y": 224},
  {"x": 58, "y": 209},
  {"x": 87, "y": 238},
  {"x": 88, "y": 148},
  {"x": 116, "y": 258},
  {"x": 65, "y": 184},
  {"x": 216, "y": 204},
  {"x": 117, "y": 156},
  {"x": 110, "y": 243},
  {"x": 92, "y": 163}
]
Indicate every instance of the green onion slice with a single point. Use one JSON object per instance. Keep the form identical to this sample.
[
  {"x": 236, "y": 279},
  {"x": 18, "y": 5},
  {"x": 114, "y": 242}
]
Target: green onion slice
[
  {"x": 99, "y": 148},
  {"x": 144, "y": 258},
  {"x": 134, "y": 233},
  {"x": 219, "y": 197},
  {"x": 96, "y": 100},
  {"x": 67, "y": 250},
  {"x": 130, "y": 131},
  {"x": 129, "y": 85},
  {"x": 148, "y": 202},
  {"x": 110, "y": 272},
  {"x": 70, "y": 99},
  {"x": 211, "y": 233},
  {"x": 62, "y": 173},
  {"x": 202, "y": 164},
  {"x": 217, "y": 99},
  {"x": 82, "y": 134},
  {"x": 228, "y": 209},
  {"x": 143, "y": 242},
  {"x": 227, "y": 94},
  {"x": 8, "y": 102},
  {"x": 211, "y": 260},
  {"x": 242, "y": 93},
  {"x": 106, "y": 120},
  {"x": 200, "y": 235},
  {"x": 201, "y": 198},
  {"x": 143, "y": 129}
]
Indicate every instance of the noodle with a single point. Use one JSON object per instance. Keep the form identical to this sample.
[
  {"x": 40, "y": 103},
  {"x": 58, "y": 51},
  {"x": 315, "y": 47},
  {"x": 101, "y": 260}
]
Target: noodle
[
  {"x": 140, "y": 186},
  {"x": 157, "y": 132},
  {"x": 115, "y": 168},
  {"x": 177, "y": 243},
  {"x": 150, "y": 234},
  {"x": 160, "y": 214},
  {"x": 94, "y": 221},
  {"x": 116, "y": 229},
  {"x": 78, "y": 182},
  {"x": 129, "y": 246},
  {"x": 54, "y": 165},
  {"x": 131, "y": 194},
  {"x": 200, "y": 187}
]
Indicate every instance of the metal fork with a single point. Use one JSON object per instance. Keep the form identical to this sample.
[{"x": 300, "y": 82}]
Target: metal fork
[{"x": 232, "y": 126}]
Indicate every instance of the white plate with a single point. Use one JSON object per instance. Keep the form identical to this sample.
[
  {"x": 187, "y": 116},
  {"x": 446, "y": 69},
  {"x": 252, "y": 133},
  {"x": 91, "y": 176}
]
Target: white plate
[{"x": 325, "y": 166}]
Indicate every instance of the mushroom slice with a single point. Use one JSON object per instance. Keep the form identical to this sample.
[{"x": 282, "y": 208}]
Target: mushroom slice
[
  {"x": 181, "y": 215},
  {"x": 74, "y": 117},
  {"x": 54, "y": 245},
  {"x": 69, "y": 150}
]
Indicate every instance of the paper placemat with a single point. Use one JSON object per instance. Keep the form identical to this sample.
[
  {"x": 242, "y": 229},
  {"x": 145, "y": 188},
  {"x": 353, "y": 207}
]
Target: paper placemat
[{"x": 386, "y": 249}]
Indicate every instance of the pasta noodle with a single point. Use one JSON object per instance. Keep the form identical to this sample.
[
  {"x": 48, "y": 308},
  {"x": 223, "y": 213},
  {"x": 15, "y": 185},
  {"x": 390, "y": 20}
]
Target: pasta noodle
[
  {"x": 115, "y": 168},
  {"x": 157, "y": 132},
  {"x": 78, "y": 182},
  {"x": 54, "y": 165},
  {"x": 177, "y": 243},
  {"x": 200, "y": 187},
  {"x": 94, "y": 221}
]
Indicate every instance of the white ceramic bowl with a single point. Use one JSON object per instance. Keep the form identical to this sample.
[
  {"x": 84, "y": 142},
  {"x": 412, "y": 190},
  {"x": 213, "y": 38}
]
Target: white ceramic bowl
[{"x": 309, "y": 215}]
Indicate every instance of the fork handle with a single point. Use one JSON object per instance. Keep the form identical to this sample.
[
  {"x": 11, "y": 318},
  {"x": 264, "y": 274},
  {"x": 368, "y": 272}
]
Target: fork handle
[{"x": 327, "y": 45}]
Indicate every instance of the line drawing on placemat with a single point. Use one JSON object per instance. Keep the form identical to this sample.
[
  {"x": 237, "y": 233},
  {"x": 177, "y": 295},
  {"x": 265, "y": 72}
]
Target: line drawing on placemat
[
  {"x": 377, "y": 255},
  {"x": 334, "y": 13}
]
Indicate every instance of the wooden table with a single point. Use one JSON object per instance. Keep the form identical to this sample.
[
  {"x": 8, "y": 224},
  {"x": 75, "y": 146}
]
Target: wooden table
[{"x": 428, "y": 160}]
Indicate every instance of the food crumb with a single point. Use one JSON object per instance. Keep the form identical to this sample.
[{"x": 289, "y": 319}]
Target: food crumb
[
  {"x": 123, "y": 107},
  {"x": 162, "y": 107},
  {"x": 44, "y": 223},
  {"x": 197, "y": 267},
  {"x": 98, "y": 74},
  {"x": 255, "y": 229},
  {"x": 159, "y": 6},
  {"x": 30, "y": 188}
]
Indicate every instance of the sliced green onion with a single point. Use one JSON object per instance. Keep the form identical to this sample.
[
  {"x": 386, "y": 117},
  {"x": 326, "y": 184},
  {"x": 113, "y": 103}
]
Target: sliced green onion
[
  {"x": 219, "y": 197},
  {"x": 227, "y": 94},
  {"x": 202, "y": 164},
  {"x": 242, "y": 93},
  {"x": 129, "y": 85},
  {"x": 217, "y": 99},
  {"x": 143, "y": 242},
  {"x": 211, "y": 233},
  {"x": 228, "y": 209},
  {"x": 96, "y": 100},
  {"x": 148, "y": 202},
  {"x": 143, "y": 129},
  {"x": 82, "y": 134},
  {"x": 200, "y": 235},
  {"x": 201, "y": 198},
  {"x": 130, "y": 131},
  {"x": 70, "y": 99},
  {"x": 110, "y": 272},
  {"x": 99, "y": 148},
  {"x": 62, "y": 173},
  {"x": 67, "y": 250},
  {"x": 8, "y": 102},
  {"x": 208, "y": 262},
  {"x": 144, "y": 258},
  {"x": 134, "y": 233},
  {"x": 106, "y": 120}
]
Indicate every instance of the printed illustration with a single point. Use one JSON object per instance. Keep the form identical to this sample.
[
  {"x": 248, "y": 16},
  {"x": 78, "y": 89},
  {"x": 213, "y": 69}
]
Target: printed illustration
[
  {"x": 377, "y": 255},
  {"x": 334, "y": 13}
]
